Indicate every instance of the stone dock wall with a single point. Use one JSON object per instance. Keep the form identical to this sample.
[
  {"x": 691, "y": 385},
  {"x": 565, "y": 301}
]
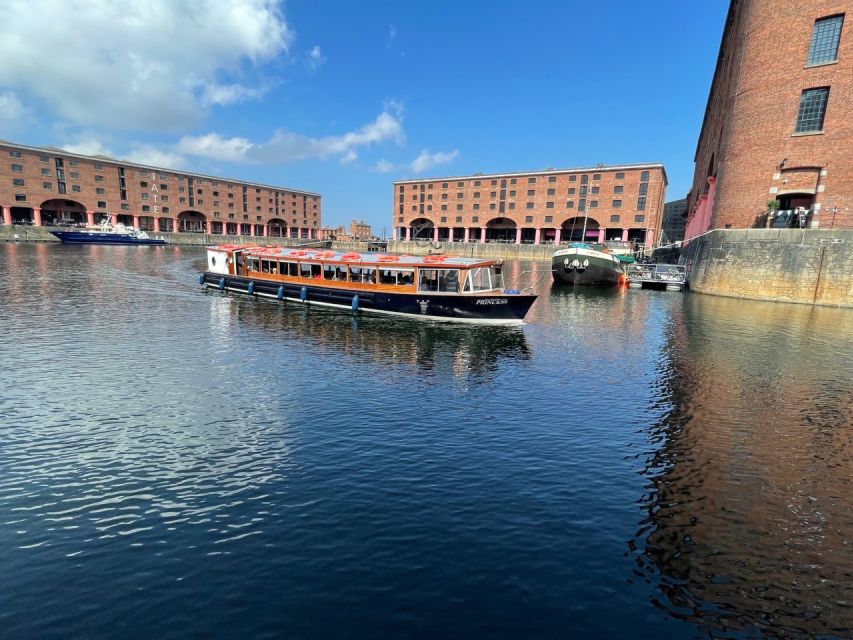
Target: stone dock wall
[{"x": 806, "y": 266}]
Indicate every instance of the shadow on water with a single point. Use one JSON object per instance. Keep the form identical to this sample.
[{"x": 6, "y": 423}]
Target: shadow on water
[
  {"x": 749, "y": 502},
  {"x": 472, "y": 350}
]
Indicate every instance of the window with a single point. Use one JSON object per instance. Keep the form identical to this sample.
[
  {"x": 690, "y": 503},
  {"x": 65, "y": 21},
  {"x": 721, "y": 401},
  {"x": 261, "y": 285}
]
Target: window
[
  {"x": 528, "y": 218},
  {"x": 512, "y": 194},
  {"x": 444, "y": 207},
  {"x": 549, "y": 218},
  {"x": 641, "y": 203},
  {"x": 596, "y": 176},
  {"x": 617, "y": 204},
  {"x": 73, "y": 163},
  {"x": 101, "y": 192},
  {"x": 620, "y": 175},
  {"x": 571, "y": 191},
  {"x": 583, "y": 190},
  {"x": 531, "y": 181},
  {"x": 44, "y": 158},
  {"x": 573, "y": 178},
  {"x": 20, "y": 197},
  {"x": 593, "y": 204},
  {"x": 459, "y": 207},
  {"x": 45, "y": 172},
  {"x": 460, "y": 184},
  {"x": 443, "y": 219},
  {"x": 552, "y": 192},
  {"x": 165, "y": 209},
  {"x": 644, "y": 176},
  {"x": 594, "y": 189},
  {"x": 582, "y": 204},
  {"x": 512, "y": 181},
  {"x": 644, "y": 188},
  {"x": 512, "y": 205},
  {"x": 145, "y": 196},
  {"x": 458, "y": 218},
  {"x": 164, "y": 187},
  {"x": 74, "y": 175},
  {"x": 812, "y": 110},
  {"x": 492, "y": 206},
  {"x": 476, "y": 194},
  {"x": 125, "y": 206},
  {"x": 570, "y": 204},
  {"x": 475, "y": 219},
  {"x": 18, "y": 182},
  {"x": 614, "y": 218},
  {"x": 618, "y": 188},
  {"x": 145, "y": 208},
  {"x": 47, "y": 185},
  {"x": 549, "y": 205},
  {"x": 75, "y": 188},
  {"x": 476, "y": 183},
  {"x": 825, "y": 37},
  {"x": 552, "y": 178},
  {"x": 459, "y": 196},
  {"x": 494, "y": 183},
  {"x": 531, "y": 192},
  {"x": 444, "y": 185},
  {"x": 103, "y": 205},
  {"x": 493, "y": 194},
  {"x": 98, "y": 166},
  {"x": 143, "y": 184},
  {"x": 476, "y": 207},
  {"x": 14, "y": 154},
  {"x": 99, "y": 178},
  {"x": 584, "y": 179},
  {"x": 639, "y": 218},
  {"x": 529, "y": 205}
]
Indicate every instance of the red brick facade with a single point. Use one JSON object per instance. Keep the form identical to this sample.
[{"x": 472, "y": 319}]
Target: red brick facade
[
  {"x": 748, "y": 144},
  {"x": 542, "y": 207},
  {"x": 47, "y": 186}
]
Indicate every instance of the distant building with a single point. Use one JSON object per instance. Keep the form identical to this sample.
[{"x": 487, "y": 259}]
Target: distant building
[
  {"x": 45, "y": 186},
  {"x": 615, "y": 202},
  {"x": 777, "y": 125},
  {"x": 359, "y": 230},
  {"x": 673, "y": 221},
  {"x": 338, "y": 233}
]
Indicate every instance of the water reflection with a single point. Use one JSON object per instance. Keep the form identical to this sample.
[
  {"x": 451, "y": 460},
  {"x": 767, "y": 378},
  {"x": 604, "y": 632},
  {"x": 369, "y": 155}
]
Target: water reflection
[
  {"x": 750, "y": 488},
  {"x": 471, "y": 353}
]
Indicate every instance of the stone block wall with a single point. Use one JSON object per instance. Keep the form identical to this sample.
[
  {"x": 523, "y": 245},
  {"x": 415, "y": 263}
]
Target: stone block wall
[{"x": 806, "y": 266}]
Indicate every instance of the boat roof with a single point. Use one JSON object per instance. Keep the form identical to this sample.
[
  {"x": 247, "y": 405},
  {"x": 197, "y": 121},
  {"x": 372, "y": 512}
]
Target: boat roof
[{"x": 386, "y": 260}]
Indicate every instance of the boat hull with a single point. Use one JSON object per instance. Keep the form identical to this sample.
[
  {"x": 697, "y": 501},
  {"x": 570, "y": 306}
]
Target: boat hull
[
  {"x": 83, "y": 237},
  {"x": 498, "y": 308},
  {"x": 585, "y": 267}
]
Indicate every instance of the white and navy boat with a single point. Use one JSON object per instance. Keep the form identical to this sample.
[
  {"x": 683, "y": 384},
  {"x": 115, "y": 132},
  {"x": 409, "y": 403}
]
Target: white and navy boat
[
  {"x": 583, "y": 263},
  {"x": 107, "y": 233},
  {"x": 435, "y": 287}
]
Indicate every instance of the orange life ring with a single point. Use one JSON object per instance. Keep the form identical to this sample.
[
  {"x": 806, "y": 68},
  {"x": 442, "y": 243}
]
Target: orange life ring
[
  {"x": 387, "y": 258},
  {"x": 324, "y": 254},
  {"x": 439, "y": 258},
  {"x": 351, "y": 256}
]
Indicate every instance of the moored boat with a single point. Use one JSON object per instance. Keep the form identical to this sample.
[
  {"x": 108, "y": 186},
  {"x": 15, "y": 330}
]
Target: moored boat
[
  {"x": 107, "y": 233},
  {"x": 585, "y": 264},
  {"x": 432, "y": 287}
]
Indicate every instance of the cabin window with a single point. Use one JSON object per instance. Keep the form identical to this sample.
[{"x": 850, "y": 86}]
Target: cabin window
[
  {"x": 360, "y": 274},
  {"x": 252, "y": 264},
  {"x": 292, "y": 268},
  {"x": 305, "y": 270},
  {"x": 328, "y": 272},
  {"x": 428, "y": 280},
  {"x": 316, "y": 271},
  {"x": 403, "y": 277},
  {"x": 269, "y": 267}
]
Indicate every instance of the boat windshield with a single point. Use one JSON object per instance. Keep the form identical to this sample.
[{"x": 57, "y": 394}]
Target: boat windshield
[
  {"x": 445, "y": 280},
  {"x": 484, "y": 278}
]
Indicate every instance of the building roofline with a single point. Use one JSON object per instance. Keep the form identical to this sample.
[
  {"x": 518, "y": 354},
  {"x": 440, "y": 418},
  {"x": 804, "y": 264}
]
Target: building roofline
[
  {"x": 726, "y": 28},
  {"x": 544, "y": 172},
  {"x": 126, "y": 163}
]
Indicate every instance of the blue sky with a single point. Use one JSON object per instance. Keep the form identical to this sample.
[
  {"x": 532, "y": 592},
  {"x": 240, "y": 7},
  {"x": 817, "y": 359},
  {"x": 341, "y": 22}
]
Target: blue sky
[{"x": 343, "y": 98}]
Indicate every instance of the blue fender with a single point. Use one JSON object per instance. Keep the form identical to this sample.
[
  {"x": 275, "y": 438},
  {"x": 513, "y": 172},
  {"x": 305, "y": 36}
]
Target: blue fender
[
  {"x": 281, "y": 292},
  {"x": 303, "y": 294},
  {"x": 201, "y": 278},
  {"x": 251, "y": 289},
  {"x": 222, "y": 284},
  {"x": 355, "y": 303}
]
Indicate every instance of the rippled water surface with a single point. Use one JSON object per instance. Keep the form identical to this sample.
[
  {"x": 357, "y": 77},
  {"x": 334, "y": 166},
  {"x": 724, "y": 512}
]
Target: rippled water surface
[{"x": 175, "y": 463}]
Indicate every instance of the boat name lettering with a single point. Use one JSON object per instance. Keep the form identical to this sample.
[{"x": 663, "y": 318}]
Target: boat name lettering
[{"x": 492, "y": 301}]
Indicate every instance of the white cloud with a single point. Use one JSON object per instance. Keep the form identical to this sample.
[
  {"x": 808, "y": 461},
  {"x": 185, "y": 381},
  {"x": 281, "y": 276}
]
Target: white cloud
[
  {"x": 88, "y": 147},
  {"x": 154, "y": 157},
  {"x": 426, "y": 160},
  {"x": 285, "y": 146},
  {"x": 316, "y": 58},
  {"x": 151, "y": 65},
  {"x": 349, "y": 157},
  {"x": 392, "y": 34},
  {"x": 11, "y": 107}
]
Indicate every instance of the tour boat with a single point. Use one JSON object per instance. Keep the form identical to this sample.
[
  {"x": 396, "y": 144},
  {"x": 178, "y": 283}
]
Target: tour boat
[
  {"x": 107, "y": 233},
  {"x": 582, "y": 263},
  {"x": 435, "y": 287}
]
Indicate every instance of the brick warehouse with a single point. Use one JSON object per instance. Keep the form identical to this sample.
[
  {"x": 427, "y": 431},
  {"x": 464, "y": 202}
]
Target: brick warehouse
[
  {"x": 45, "y": 186},
  {"x": 614, "y": 202},
  {"x": 779, "y": 120}
]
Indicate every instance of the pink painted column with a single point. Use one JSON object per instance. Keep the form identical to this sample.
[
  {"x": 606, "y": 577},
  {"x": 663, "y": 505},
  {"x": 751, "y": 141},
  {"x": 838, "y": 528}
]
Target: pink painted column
[
  {"x": 483, "y": 234},
  {"x": 518, "y": 235},
  {"x": 650, "y": 238},
  {"x": 7, "y": 215},
  {"x": 450, "y": 234},
  {"x": 156, "y": 223},
  {"x": 208, "y": 226},
  {"x": 624, "y": 235},
  {"x": 36, "y": 216},
  {"x": 557, "y": 235},
  {"x": 286, "y": 232},
  {"x": 467, "y": 234},
  {"x": 435, "y": 234},
  {"x": 90, "y": 217},
  {"x": 712, "y": 189},
  {"x": 252, "y": 230},
  {"x": 136, "y": 221},
  {"x": 538, "y": 236},
  {"x": 408, "y": 234},
  {"x": 601, "y": 235},
  {"x": 175, "y": 227}
]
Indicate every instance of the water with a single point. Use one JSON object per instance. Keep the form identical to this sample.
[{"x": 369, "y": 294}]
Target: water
[{"x": 175, "y": 463}]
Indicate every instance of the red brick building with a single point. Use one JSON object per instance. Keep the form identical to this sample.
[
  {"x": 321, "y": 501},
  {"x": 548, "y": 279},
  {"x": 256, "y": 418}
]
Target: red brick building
[
  {"x": 619, "y": 202},
  {"x": 46, "y": 186},
  {"x": 779, "y": 120}
]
